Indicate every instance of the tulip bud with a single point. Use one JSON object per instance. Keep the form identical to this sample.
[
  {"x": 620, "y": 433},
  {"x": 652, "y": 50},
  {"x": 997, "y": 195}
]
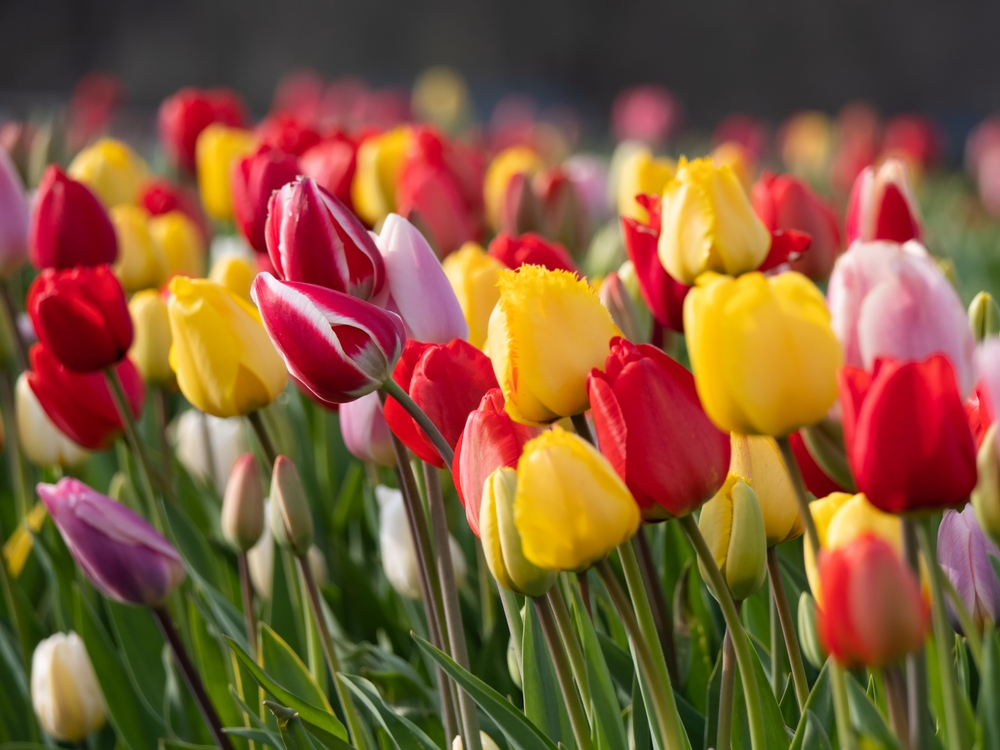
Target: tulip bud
[
  {"x": 151, "y": 346},
  {"x": 564, "y": 217},
  {"x": 243, "y": 504},
  {"x": 642, "y": 174},
  {"x": 365, "y": 433},
  {"x": 217, "y": 150},
  {"x": 505, "y": 165},
  {"x": 14, "y": 218},
  {"x": 733, "y": 527},
  {"x": 502, "y": 542},
  {"x": 332, "y": 164},
  {"x": 379, "y": 160},
  {"x": 758, "y": 461},
  {"x": 260, "y": 561},
  {"x": 623, "y": 310},
  {"x": 984, "y": 316},
  {"x": 964, "y": 553},
  {"x": 521, "y": 210},
  {"x": 142, "y": 263},
  {"x": 812, "y": 646},
  {"x": 112, "y": 170},
  {"x": 41, "y": 441},
  {"x": 882, "y": 205},
  {"x": 632, "y": 286},
  {"x": 484, "y": 739},
  {"x": 181, "y": 242},
  {"x": 235, "y": 273},
  {"x": 65, "y": 694},
  {"x": 291, "y": 517},
  {"x": 208, "y": 447},
  {"x": 986, "y": 495},
  {"x": 254, "y": 179},
  {"x": 473, "y": 276}
]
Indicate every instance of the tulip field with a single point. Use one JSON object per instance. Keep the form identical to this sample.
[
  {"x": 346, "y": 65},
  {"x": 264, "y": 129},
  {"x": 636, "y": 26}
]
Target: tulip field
[{"x": 376, "y": 426}]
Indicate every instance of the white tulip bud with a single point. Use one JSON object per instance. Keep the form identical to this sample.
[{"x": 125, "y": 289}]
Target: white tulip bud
[
  {"x": 64, "y": 691},
  {"x": 43, "y": 443},
  {"x": 260, "y": 561}
]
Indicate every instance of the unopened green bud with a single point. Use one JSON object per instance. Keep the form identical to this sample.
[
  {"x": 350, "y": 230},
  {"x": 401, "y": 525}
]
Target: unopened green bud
[
  {"x": 243, "y": 504},
  {"x": 291, "y": 518},
  {"x": 986, "y": 495},
  {"x": 733, "y": 526},
  {"x": 624, "y": 313},
  {"x": 812, "y": 648},
  {"x": 984, "y": 316}
]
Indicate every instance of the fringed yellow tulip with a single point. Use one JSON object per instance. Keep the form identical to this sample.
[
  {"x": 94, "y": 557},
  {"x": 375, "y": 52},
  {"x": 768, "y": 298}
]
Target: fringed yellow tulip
[
  {"x": 757, "y": 460},
  {"x": 505, "y": 165},
  {"x": 112, "y": 170},
  {"x": 733, "y": 527},
  {"x": 141, "y": 262},
  {"x": 708, "y": 223},
  {"x": 225, "y": 363},
  {"x": 642, "y": 173},
  {"x": 546, "y": 333},
  {"x": 181, "y": 241},
  {"x": 150, "y": 351},
  {"x": 217, "y": 149},
  {"x": 764, "y": 357},
  {"x": 235, "y": 273},
  {"x": 571, "y": 508},
  {"x": 473, "y": 275},
  {"x": 379, "y": 160}
]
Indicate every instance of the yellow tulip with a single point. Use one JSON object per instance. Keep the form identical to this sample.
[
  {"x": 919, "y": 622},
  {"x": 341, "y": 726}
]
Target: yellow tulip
[
  {"x": 733, "y": 527},
  {"x": 150, "y": 351},
  {"x": 112, "y": 170},
  {"x": 546, "y": 333},
  {"x": 757, "y": 460},
  {"x": 708, "y": 223},
  {"x": 225, "y": 363},
  {"x": 736, "y": 156},
  {"x": 217, "y": 148},
  {"x": 641, "y": 172},
  {"x": 764, "y": 357},
  {"x": 141, "y": 262},
  {"x": 505, "y": 165},
  {"x": 235, "y": 273},
  {"x": 19, "y": 544},
  {"x": 571, "y": 508},
  {"x": 473, "y": 275},
  {"x": 181, "y": 242},
  {"x": 379, "y": 160}
]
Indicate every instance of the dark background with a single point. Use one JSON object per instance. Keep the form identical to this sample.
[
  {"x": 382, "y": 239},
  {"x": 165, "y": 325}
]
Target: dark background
[{"x": 767, "y": 57}]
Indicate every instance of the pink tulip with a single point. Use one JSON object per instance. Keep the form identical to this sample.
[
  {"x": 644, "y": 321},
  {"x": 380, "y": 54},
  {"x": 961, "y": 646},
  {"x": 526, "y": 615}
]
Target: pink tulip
[
  {"x": 14, "y": 218},
  {"x": 365, "y": 432},
  {"x": 882, "y": 206},
  {"x": 125, "y": 558},
  {"x": 890, "y": 300},
  {"x": 337, "y": 346},
  {"x": 964, "y": 552}
]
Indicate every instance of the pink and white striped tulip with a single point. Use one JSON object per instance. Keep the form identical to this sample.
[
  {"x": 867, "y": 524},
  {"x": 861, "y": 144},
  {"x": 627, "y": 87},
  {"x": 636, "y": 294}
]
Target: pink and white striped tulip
[
  {"x": 891, "y": 300},
  {"x": 337, "y": 346},
  {"x": 314, "y": 238},
  {"x": 882, "y": 206},
  {"x": 365, "y": 431}
]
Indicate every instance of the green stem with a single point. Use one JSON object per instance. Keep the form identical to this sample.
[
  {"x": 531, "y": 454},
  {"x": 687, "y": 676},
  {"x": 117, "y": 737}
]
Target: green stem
[
  {"x": 246, "y": 592},
  {"x": 15, "y": 462},
  {"x": 263, "y": 437},
  {"x": 965, "y": 620},
  {"x": 486, "y": 604},
  {"x": 943, "y": 638},
  {"x": 895, "y": 698},
  {"x": 841, "y": 707},
  {"x": 740, "y": 642},
  {"x": 20, "y": 631},
  {"x": 10, "y": 313},
  {"x": 916, "y": 663},
  {"x": 515, "y": 624},
  {"x": 800, "y": 493},
  {"x": 392, "y": 389},
  {"x": 777, "y": 663},
  {"x": 573, "y": 649},
  {"x": 661, "y": 608},
  {"x": 787, "y": 629},
  {"x": 727, "y": 689}
]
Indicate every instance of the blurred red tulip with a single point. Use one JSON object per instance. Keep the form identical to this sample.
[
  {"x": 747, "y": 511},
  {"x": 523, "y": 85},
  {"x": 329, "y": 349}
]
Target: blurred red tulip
[
  {"x": 332, "y": 163},
  {"x": 184, "y": 115},
  {"x": 69, "y": 226},
  {"x": 287, "y": 133},
  {"x": 254, "y": 180},
  {"x": 160, "y": 196},
  {"x": 532, "y": 250}
]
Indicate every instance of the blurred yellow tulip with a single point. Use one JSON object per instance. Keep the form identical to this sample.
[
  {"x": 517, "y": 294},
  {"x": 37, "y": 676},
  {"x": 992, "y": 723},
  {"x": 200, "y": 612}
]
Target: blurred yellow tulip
[
  {"x": 379, "y": 160},
  {"x": 112, "y": 170},
  {"x": 509, "y": 162},
  {"x": 733, "y": 527},
  {"x": 757, "y": 460},
  {"x": 235, "y": 273},
  {"x": 150, "y": 351},
  {"x": 218, "y": 147},
  {"x": 641, "y": 172},
  {"x": 181, "y": 242},
  {"x": 473, "y": 275},
  {"x": 735, "y": 156},
  {"x": 141, "y": 262}
]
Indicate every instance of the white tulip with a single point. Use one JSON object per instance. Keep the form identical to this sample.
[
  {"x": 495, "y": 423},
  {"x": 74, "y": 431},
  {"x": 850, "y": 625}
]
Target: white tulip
[
  {"x": 64, "y": 691},
  {"x": 487, "y": 742},
  {"x": 208, "y": 446},
  {"x": 43, "y": 443}
]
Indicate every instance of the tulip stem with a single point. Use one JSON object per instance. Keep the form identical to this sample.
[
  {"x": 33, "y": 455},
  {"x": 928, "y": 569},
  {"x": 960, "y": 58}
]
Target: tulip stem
[
  {"x": 14, "y": 447},
  {"x": 943, "y": 638},
  {"x": 246, "y": 590},
  {"x": 895, "y": 697},
  {"x": 661, "y": 608},
  {"x": 393, "y": 390},
  {"x": 965, "y": 620},
  {"x": 486, "y": 605},
  {"x": 577, "y": 719},
  {"x": 10, "y": 312},
  {"x": 161, "y": 428},
  {"x": 572, "y": 645},
  {"x": 263, "y": 437},
  {"x": 841, "y": 706},
  {"x": 740, "y": 642},
  {"x": 515, "y": 624},
  {"x": 916, "y": 663},
  {"x": 787, "y": 629},
  {"x": 727, "y": 688},
  {"x": 800, "y": 493},
  {"x": 191, "y": 677}
]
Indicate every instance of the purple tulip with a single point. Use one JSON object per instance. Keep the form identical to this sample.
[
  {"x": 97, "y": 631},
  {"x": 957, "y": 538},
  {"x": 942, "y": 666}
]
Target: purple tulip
[
  {"x": 123, "y": 556},
  {"x": 365, "y": 431},
  {"x": 964, "y": 554},
  {"x": 14, "y": 217}
]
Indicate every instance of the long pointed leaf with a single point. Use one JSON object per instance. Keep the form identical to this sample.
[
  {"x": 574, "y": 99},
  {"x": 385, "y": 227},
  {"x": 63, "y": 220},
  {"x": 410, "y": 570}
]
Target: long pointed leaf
[{"x": 404, "y": 733}]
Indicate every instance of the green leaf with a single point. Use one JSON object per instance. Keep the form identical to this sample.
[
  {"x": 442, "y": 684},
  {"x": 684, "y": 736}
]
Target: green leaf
[
  {"x": 866, "y": 718},
  {"x": 141, "y": 650},
  {"x": 520, "y": 733},
  {"x": 192, "y": 545},
  {"x": 166, "y": 744},
  {"x": 543, "y": 701},
  {"x": 988, "y": 714},
  {"x": 285, "y": 666},
  {"x": 810, "y": 734},
  {"x": 775, "y": 734},
  {"x": 15, "y": 705},
  {"x": 257, "y": 735},
  {"x": 210, "y": 656},
  {"x": 404, "y": 733},
  {"x": 293, "y": 732}
]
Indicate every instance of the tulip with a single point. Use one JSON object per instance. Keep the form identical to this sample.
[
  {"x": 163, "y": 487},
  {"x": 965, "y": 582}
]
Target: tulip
[
  {"x": 332, "y": 163},
  {"x": 873, "y": 612},
  {"x": 187, "y": 113},
  {"x": 642, "y": 174},
  {"x": 379, "y": 160},
  {"x": 986, "y": 495},
  {"x": 624, "y": 313},
  {"x": 812, "y": 647},
  {"x": 448, "y": 382},
  {"x": 764, "y": 357},
  {"x": 399, "y": 555},
  {"x": 253, "y": 180},
  {"x": 643, "y": 322},
  {"x": 489, "y": 441},
  {"x": 882, "y": 205},
  {"x": 337, "y": 346},
  {"x": 663, "y": 294},
  {"x": 242, "y": 518},
  {"x": 219, "y": 147},
  {"x": 288, "y": 133},
  {"x": 571, "y": 509},
  {"x": 365, "y": 433},
  {"x": 224, "y": 362},
  {"x": 502, "y": 543},
  {"x": 80, "y": 404},
  {"x": 112, "y": 170},
  {"x": 964, "y": 553},
  {"x": 521, "y": 209},
  {"x": 757, "y": 461},
  {"x": 312, "y": 237},
  {"x": 65, "y": 693},
  {"x": 546, "y": 334},
  {"x": 905, "y": 458},
  {"x": 160, "y": 196},
  {"x": 260, "y": 561},
  {"x": 564, "y": 217},
  {"x": 487, "y": 742},
  {"x": 291, "y": 517},
  {"x": 181, "y": 242},
  {"x": 150, "y": 351},
  {"x": 142, "y": 263},
  {"x": 733, "y": 527},
  {"x": 708, "y": 224},
  {"x": 39, "y": 438},
  {"x": 473, "y": 276},
  {"x": 14, "y": 218},
  {"x": 652, "y": 429},
  {"x": 785, "y": 202},
  {"x": 589, "y": 175},
  {"x": 888, "y": 300},
  {"x": 208, "y": 447},
  {"x": 81, "y": 316},
  {"x": 984, "y": 317},
  {"x": 814, "y": 476},
  {"x": 505, "y": 165},
  {"x": 69, "y": 226},
  {"x": 125, "y": 558},
  {"x": 531, "y": 249},
  {"x": 417, "y": 288},
  {"x": 235, "y": 273}
]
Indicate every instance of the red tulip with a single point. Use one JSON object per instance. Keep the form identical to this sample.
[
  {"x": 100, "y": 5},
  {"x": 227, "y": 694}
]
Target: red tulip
[
  {"x": 872, "y": 612},
  {"x": 651, "y": 426},
  {"x": 185, "y": 114},
  {"x": 332, "y": 163},
  {"x": 489, "y": 441},
  {"x": 80, "y": 404},
  {"x": 563, "y": 214},
  {"x": 531, "y": 250},
  {"x": 161, "y": 196},
  {"x": 287, "y": 133},
  {"x": 69, "y": 226},
  {"x": 906, "y": 434},
  {"x": 312, "y": 237},
  {"x": 663, "y": 294},
  {"x": 882, "y": 205},
  {"x": 448, "y": 382},
  {"x": 81, "y": 316},
  {"x": 254, "y": 180},
  {"x": 977, "y": 411}
]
